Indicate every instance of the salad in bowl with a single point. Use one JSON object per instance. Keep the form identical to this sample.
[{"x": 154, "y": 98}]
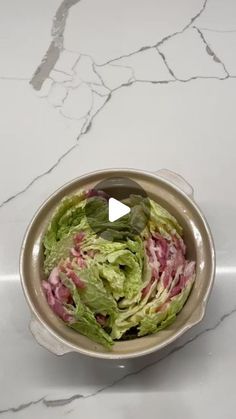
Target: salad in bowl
[{"x": 115, "y": 281}]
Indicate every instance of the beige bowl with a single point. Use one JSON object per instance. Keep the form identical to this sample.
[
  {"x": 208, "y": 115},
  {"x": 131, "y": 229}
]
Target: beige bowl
[{"x": 176, "y": 195}]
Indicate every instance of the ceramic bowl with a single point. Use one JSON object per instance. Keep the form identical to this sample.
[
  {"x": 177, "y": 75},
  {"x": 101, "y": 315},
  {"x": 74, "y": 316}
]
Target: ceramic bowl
[{"x": 176, "y": 195}]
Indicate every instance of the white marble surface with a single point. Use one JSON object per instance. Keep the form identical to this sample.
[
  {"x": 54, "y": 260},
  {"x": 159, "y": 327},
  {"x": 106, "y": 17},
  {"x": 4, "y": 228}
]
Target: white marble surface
[{"x": 131, "y": 83}]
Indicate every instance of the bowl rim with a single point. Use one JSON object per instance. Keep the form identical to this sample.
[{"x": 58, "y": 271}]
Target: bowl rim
[{"x": 137, "y": 353}]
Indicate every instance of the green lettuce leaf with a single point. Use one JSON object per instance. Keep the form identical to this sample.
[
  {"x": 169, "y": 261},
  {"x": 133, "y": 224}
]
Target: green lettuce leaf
[
  {"x": 115, "y": 278},
  {"x": 127, "y": 303},
  {"x": 59, "y": 250},
  {"x": 132, "y": 270},
  {"x": 87, "y": 325},
  {"x": 130, "y": 316},
  {"x": 95, "y": 295},
  {"x": 155, "y": 322},
  {"x": 101, "y": 246},
  {"x": 85, "y": 321},
  {"x": 119, "y": 263},
  {"x": 162, "y": 221},
  {"x": 144, "y": 314},
  {"x": 52, "y": 234},
  {"x": 66, "y": 221}
]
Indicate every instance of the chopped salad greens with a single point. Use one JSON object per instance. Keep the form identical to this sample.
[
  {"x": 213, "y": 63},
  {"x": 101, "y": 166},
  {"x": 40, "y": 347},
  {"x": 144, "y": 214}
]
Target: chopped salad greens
[{"x": 108, "y": 282}]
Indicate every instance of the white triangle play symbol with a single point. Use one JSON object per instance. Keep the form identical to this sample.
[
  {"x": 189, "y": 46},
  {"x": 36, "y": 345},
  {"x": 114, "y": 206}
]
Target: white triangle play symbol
[{"x": 117, "y": 209}]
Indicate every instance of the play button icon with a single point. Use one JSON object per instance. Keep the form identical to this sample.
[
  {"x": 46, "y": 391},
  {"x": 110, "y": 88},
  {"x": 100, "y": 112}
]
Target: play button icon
[{"x": 116, "y": 209}]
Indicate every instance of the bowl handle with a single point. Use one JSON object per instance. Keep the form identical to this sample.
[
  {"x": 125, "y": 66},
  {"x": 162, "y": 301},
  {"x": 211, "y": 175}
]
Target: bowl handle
[
  {"x": 198, "y": 314},
  {"x": 177, "y": 180},
  {"x": 46, "y": 339}
]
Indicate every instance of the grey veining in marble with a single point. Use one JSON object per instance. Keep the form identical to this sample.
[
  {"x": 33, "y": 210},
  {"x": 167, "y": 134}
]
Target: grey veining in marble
[{"x": 56, "y": 45}]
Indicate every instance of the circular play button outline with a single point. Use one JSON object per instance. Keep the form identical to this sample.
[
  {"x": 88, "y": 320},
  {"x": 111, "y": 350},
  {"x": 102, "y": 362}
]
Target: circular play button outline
[{"x": 117, "y": 207}]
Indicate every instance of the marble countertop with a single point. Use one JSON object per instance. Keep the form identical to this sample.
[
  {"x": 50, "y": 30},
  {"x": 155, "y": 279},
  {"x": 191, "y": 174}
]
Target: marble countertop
[{"x": 87, "y": 85}]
